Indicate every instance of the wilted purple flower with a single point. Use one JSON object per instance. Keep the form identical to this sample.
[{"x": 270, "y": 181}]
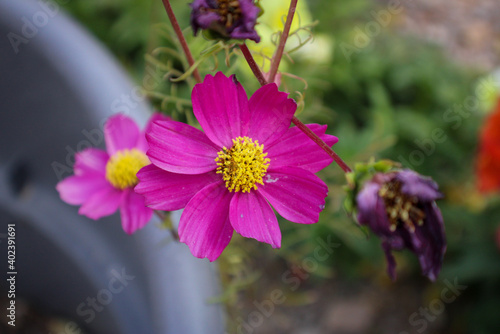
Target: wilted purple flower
[
  {"x": 400, "y": 208},
  {"x": 229, "y": 18}
]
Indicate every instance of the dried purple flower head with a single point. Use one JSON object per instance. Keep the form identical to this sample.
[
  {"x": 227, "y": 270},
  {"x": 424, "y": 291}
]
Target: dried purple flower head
[
  {"x": 399, "y": 207},
  {"x": 229, "y": 19}
]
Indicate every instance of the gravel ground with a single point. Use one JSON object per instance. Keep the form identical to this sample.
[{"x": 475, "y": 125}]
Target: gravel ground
[
  {"x": 469, "y": 30},
  {"x": 347, "y": 308}
]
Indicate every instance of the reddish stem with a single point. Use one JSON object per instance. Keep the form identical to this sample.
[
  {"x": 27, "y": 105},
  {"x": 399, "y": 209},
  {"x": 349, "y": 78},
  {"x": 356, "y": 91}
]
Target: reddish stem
[
  {"x": 251, "y": 62},
  {"x": 182, "y": 40},
  {"x": 275, "y": 62},
  {"x": 321, "y": 144},
  {"x": 258, "y": 74}
]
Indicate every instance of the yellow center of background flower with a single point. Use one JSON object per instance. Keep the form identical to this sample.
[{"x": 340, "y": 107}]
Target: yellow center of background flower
[
  {"x": 243, "y": 165},
  {"x": 123, "y": 166}
]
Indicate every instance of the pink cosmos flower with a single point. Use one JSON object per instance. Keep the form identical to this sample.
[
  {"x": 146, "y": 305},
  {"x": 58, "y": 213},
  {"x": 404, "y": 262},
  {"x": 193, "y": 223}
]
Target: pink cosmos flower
[
  {"x": 227, "y": 177},
  {"x": 104, "y": 180}
]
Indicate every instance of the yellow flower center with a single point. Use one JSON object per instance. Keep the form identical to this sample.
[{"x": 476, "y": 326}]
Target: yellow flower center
[
  {"x": 123, "y": 166},
  {"x": 243, "y": 165}
]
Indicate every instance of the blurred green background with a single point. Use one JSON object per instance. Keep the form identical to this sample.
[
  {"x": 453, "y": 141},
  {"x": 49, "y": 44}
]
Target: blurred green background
[{"x": 384, "y": 93}]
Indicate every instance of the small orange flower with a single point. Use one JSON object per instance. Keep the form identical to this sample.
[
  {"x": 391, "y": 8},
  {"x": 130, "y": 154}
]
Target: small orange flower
[{"x": 488, "y": 162}]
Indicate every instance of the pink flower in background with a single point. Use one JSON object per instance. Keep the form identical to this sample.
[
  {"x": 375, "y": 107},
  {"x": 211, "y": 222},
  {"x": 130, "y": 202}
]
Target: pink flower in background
[
  {"x": 228, "y": 177},
  {"x": 104, "y": 180}
]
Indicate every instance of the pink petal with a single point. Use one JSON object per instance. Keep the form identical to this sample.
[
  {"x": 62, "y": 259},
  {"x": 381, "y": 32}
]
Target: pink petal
[
  {"x": 102, "y": 203},
  {"x": 298, "y": 195},
  {"x": 120, "y": 132},
  {"x": 252, "y": 217},
  {"x": 142, "y": 143},
  {"x": 271, "y": 114},
  {"x": 169, "y": 191},
  {"x": 91, "y": 161},
  {"x": 204, "y": 224},
  {"x": 220, "y": 105},
  {"x": 76, "y": 190},
  {"x": 296, "y": 149},
  {"x": 134, "y": 213},
  {"x": 180, "y": 148}
]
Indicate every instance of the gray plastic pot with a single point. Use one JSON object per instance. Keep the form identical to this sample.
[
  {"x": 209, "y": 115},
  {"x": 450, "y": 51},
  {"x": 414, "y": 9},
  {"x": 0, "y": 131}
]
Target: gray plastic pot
[{"x": 57, "y": 86}]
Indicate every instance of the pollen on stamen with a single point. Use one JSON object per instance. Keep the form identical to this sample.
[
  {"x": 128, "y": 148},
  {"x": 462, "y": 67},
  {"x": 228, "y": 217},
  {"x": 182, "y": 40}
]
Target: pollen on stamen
[
  {"x": 401, "y": 208},
  {"x": 123, "y": 166},
  {"x": 243, "y": 165}
]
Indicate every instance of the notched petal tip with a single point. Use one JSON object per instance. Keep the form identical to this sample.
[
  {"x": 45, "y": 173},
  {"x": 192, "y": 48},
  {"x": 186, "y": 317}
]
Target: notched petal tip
[
  {"x": 252, "y": 217},
  {"x": 180, "y": 148},
  {"x": 120, "y": 132},
  {"x": 133, "y": 212},
  {"x": 204, "y": 224},
  {"x": 271, "y": 114},
  {"x": 221, "y": 107},
  {"x": 296, "y": 194}
]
